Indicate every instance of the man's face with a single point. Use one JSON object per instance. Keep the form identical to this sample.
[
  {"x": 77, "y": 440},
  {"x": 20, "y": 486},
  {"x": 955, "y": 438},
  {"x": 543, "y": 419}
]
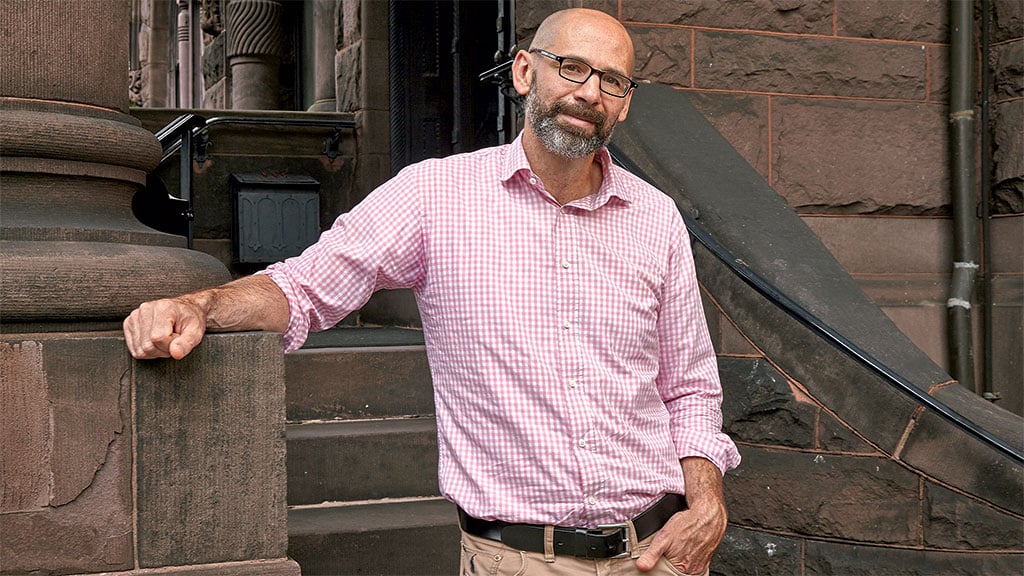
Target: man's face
[{"x": 563, "y": 138}]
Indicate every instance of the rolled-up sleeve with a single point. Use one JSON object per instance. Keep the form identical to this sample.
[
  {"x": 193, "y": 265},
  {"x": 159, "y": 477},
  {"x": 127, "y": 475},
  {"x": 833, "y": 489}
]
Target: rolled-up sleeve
[
  {"x": 377, "y": 245},
  {"x": 688, "y": 380}
]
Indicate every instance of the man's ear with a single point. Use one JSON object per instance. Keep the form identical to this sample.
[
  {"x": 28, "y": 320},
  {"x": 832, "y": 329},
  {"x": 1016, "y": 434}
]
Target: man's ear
[
  {"x": 625, "y": 107},
  {"x": 522, "y": 72}
]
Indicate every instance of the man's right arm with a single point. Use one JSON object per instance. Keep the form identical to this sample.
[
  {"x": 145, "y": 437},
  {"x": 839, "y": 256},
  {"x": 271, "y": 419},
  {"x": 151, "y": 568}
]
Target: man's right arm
[{"x": 171, "y": 328}]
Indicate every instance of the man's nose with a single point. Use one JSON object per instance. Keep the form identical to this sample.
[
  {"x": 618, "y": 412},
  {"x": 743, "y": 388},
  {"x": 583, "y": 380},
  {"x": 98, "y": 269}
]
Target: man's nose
[{"x": 590, "y": 89}]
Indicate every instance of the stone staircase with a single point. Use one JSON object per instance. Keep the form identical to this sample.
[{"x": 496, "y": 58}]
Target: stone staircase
[{"x": 362, "y": 457}]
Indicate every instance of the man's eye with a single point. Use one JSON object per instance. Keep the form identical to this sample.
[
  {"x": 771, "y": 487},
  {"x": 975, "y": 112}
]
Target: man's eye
[
  {"x": 614, "y": 81},
  {"x": 574, "y": 68}
]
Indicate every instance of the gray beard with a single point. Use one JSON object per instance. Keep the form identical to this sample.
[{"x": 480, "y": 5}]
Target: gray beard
[{"x": 566, "y": 141}]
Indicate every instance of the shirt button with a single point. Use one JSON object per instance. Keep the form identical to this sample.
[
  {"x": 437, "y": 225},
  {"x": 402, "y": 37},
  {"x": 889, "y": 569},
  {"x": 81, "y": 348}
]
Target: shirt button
[
  {"x": 565, "y": 263},
  {"x": 582, "y": 443},
  {"x": 567, "y": 325},
  {"x": 533, "y": 181},
  {"x": 572, "y": 383},
  {"x": 592, "y": 501}
]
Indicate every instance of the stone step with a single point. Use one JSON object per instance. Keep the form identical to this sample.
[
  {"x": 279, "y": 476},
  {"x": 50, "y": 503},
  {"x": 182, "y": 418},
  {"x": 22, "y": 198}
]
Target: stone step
[
  {"x": 358, "y": 373},
  {"x": 407, "y": 538},
  {"x": 361, "y": 460}
]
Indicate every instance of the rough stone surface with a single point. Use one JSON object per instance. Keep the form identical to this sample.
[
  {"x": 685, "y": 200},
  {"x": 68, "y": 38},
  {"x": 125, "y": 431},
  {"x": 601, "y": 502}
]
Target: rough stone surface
[
  {"x": 662, "y": 55},
  {"x": 93, "y": 532},
  {"x": 1007, "y": 20},
  {"x": 530, "y": 14},
  {"x": 953, "y": 521},
  {"x": 66, "y": 457},
  {"x": 979, "y": 470},
  {"x": 351, "y": 23},
  {"x": 879, "y": 245},
  {"x": 749, "y": 552},
  {"x": 860, "y": 157},
  {"x": 796, "y": 16},
  {"x": 759, "y": 405},
  {"x": 794, "y": 65},
  {"x": 866, "y": 499},
  {"x": 211, "y": 453},
  {"x": 742, "y": 120},
  {"x": 1008, "y": 70},
  {"x": 876, "y": 410},
  {"x": 835, "y": 436},
  {"x": 1008, "y": 158},
  {"x": 87, "y": 410},
  {"x": 913, "y": 20},
  {"x": 938, "y": 74},
  {"x": 347, "y": 70},
  {"x": 214, "y": 60},
  {"x": 24, "y": 426},
  {"x": 832, "y": 559}
]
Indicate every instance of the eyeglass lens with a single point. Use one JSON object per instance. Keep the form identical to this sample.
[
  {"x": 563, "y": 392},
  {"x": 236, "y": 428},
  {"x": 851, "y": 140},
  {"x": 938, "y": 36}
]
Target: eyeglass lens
[{"x": 578, "y": 71}]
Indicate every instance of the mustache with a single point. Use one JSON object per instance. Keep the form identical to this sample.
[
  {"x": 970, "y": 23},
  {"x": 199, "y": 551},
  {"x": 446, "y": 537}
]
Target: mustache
[{"x": 580, "y": 111}]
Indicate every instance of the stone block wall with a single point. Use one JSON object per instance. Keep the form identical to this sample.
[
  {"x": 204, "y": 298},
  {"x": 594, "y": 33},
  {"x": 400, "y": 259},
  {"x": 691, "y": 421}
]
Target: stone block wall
[
  {"x": 842, "y": 107},
  {"x": 117, "y": 466}
]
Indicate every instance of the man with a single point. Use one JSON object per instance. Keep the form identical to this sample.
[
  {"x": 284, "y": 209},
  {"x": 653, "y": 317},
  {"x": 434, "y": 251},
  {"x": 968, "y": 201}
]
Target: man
[{"x": 575, "y": 383}]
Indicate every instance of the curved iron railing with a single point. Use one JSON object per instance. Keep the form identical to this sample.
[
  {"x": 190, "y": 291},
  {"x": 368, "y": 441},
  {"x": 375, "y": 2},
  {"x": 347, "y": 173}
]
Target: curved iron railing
[{"x": 801, "y": 314}]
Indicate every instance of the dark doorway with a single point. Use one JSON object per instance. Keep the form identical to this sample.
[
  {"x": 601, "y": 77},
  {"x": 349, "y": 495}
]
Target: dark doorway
[{"x": 437, "y": 50}]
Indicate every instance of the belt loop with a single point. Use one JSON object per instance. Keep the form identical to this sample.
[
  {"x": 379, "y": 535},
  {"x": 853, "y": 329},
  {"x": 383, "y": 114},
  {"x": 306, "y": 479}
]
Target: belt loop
[
  {"x": 634, "y": 544},
  {"x": 549, "y": 543}
]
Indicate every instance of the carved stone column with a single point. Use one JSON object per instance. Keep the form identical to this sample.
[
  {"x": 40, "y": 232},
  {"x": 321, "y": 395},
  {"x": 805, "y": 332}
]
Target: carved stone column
[
  {"x": 254, "y": 53},
  {"x": 326, "y": 40},
  {"x": 72, "y": 254}
]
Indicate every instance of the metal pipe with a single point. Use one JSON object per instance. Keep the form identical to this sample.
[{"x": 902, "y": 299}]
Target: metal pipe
[
  {"x": 962, "y": 181},
  {"x": 985, "y": 280}
]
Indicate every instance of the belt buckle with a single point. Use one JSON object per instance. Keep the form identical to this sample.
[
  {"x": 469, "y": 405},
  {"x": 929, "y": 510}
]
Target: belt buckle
[{"x": 604, "y": 528}]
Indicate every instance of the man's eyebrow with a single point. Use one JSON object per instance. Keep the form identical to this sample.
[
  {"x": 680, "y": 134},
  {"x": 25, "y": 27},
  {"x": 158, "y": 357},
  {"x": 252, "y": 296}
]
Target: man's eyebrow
[{"x": 587, "y": 62}]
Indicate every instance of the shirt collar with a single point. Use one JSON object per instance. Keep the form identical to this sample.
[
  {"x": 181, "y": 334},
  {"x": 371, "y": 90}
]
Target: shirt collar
[{"x": 611, "y": 185}]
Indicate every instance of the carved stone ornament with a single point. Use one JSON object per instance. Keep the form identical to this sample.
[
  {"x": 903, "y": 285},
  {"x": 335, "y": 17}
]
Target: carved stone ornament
[{"x": 255, "y": 28}]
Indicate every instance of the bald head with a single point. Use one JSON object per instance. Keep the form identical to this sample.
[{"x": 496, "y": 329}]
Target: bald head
[{"x": 566, "y": 29}]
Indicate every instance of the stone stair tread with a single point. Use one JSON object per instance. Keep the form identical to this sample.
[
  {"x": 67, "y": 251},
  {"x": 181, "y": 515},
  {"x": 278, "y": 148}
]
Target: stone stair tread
[
  {"x": 363, "y": 337},
  {"x": 371, "y": 517},
  {"x": 361, "y": 460},
  {"x": 336, "y": 428},
  {"x": 387, "y": 537}
]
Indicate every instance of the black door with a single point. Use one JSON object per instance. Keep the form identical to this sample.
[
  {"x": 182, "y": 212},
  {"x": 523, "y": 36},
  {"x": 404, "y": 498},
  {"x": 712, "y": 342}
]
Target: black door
[{"x": 437, "y": 50}]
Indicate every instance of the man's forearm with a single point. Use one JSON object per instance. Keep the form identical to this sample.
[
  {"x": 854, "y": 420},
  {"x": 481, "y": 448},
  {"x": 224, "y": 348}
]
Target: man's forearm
[
  {"x": 249, "y": 303},
  {"x": 703, "y": 482}
]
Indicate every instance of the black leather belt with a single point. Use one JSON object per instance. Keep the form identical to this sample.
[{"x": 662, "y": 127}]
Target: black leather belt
[{"x": 603, "y": 542}]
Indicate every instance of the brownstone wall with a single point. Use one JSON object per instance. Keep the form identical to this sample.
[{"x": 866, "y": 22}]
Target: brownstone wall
[{"x": 841, "y": 105}]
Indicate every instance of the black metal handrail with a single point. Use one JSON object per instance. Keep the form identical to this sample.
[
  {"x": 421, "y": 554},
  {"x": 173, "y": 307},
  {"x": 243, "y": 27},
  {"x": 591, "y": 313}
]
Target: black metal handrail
[
  {"x": 827, "y": 333},
  {"x": 189, "y": 135}
]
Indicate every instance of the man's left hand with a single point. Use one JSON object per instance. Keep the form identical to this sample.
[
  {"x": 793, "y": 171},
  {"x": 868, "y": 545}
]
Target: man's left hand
[{"x": 689, "y": 539}]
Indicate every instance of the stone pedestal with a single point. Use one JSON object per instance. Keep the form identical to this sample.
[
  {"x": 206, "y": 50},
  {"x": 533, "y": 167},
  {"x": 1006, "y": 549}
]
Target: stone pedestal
[
  {"x": 73, "y": 254},
  {"x": 110, "y": 464}
]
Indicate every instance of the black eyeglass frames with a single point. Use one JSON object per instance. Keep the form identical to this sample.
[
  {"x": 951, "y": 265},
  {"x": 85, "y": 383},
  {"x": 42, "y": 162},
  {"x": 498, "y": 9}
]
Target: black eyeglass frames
[{"x": 578, "y": 71}]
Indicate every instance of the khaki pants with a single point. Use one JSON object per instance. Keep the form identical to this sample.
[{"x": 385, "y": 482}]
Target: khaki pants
[{"x": 483, "y": 557}]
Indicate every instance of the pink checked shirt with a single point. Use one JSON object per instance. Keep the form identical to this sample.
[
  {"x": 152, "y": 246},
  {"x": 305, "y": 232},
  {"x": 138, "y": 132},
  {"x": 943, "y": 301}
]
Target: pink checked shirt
[{"x": 569, "y": 352}]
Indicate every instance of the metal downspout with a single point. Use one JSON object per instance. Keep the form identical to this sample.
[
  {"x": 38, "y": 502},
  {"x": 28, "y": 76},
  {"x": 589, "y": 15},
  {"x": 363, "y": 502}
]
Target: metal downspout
[
  {"x": 962, "y": 176},
  {"x": 985, "y": 278}
]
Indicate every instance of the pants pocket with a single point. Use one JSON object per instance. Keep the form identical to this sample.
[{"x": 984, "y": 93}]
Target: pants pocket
[
  {"x": 482, "y": 557},
  {"x": 665, "y": 567}
]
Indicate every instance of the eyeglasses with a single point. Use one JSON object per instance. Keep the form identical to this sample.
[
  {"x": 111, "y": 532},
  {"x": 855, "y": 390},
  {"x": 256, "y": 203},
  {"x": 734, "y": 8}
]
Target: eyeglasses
[{"x": 579, "y": 72}]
